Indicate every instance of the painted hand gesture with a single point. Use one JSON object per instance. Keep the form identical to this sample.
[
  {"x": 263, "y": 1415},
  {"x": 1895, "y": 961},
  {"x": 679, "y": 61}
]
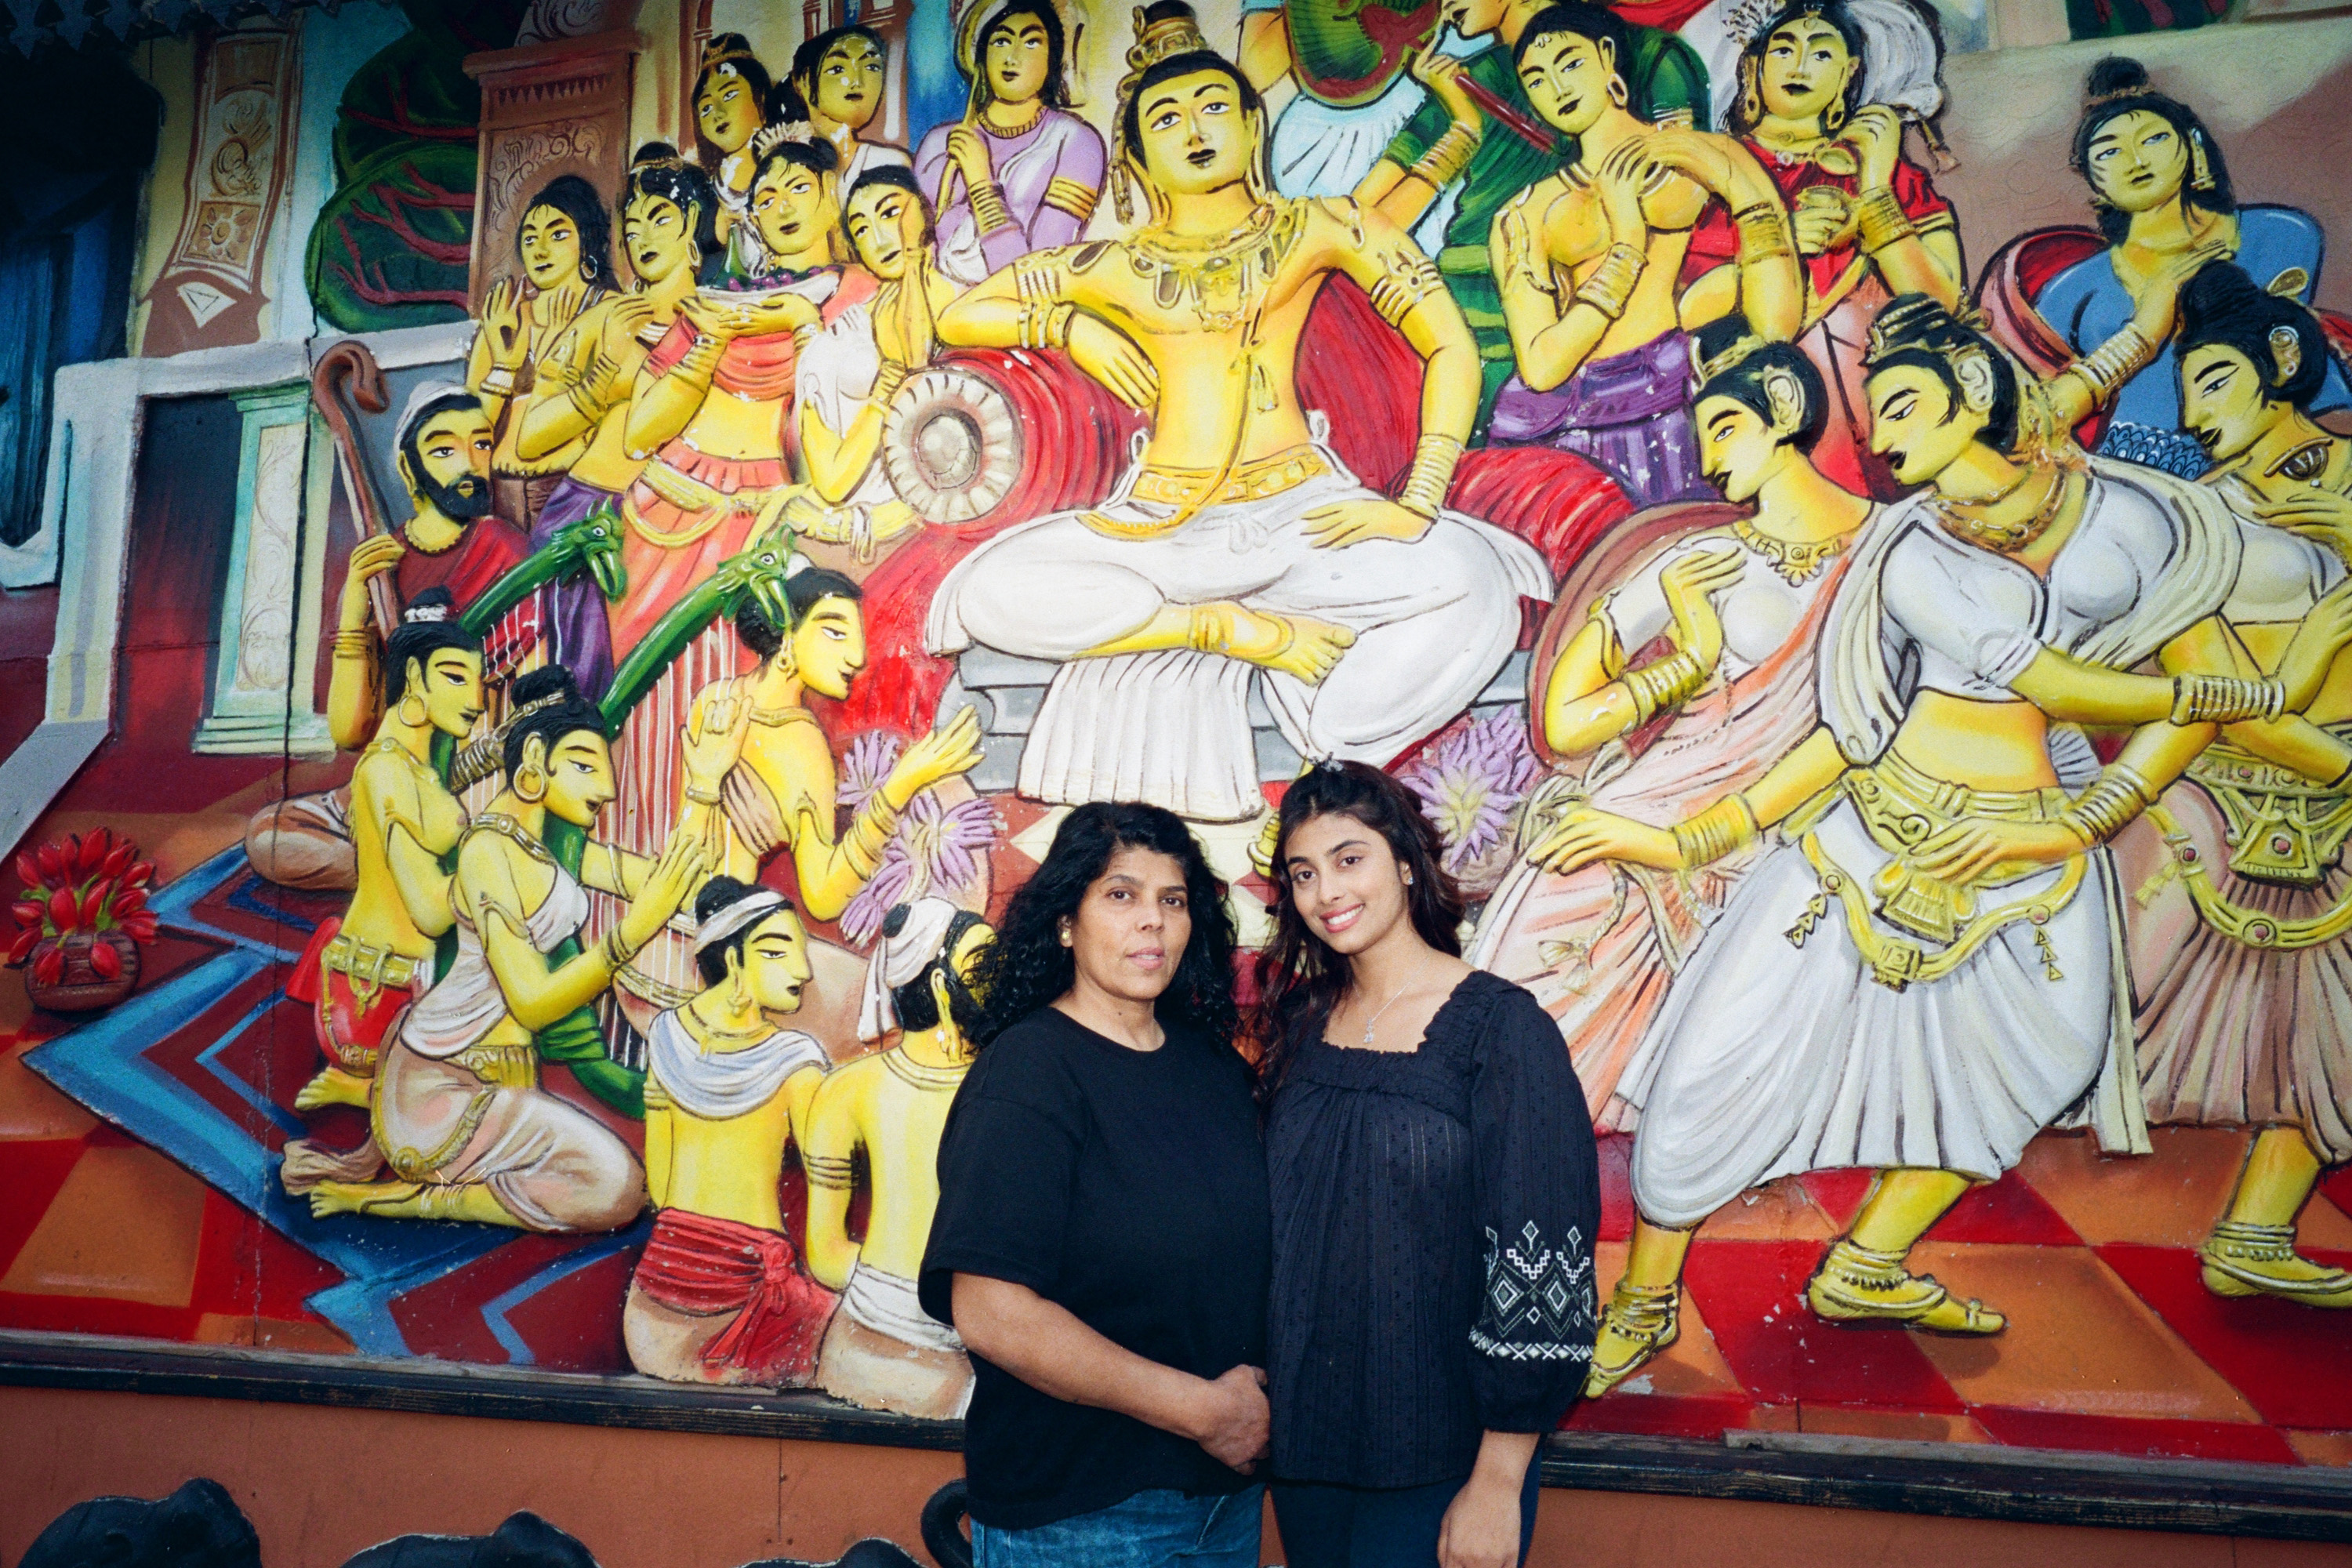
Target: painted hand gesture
[
  {"x": 1441, "y": 75},
  {"x": 668, "y": 883},
  {"x": 2159, "y": 298},
  {"x": 2326, "y": 628},
  {"x": 969, "y": 152},
  {"x": 2323, "y": 517},
  {"x": 1585, "y": 835},
  {"x": 1690, "y": 584},
  {"x": 506, "y": 325},
  {"x": 1875, "y": 133},
  {"x": 1345, "y": 523},
  {"x": 1975, "y": 847},
  {"x": 1621, "y": 182},
  {"x": 371, "y": 558},
  {"x": 951, "y": 749},
  {"x": 1112, "y": 357}
]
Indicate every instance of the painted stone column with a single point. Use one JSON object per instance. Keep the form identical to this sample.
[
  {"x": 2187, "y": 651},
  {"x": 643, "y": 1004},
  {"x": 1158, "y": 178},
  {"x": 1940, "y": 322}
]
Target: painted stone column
[{"x": 548, "y": 108}]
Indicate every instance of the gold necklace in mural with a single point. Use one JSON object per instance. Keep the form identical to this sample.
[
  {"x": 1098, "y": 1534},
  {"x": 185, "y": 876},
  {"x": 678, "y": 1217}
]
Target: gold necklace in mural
[
  {"x": 1219, "y": 276},
  {"x": 2009, "y": 538},
  {"x": 1796, "y": 561},
  {"x": 923, "y": 1074}
]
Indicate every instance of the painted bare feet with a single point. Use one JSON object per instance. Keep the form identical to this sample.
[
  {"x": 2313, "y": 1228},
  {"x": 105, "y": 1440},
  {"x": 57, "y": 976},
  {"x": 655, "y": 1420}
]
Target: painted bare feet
[{"x": 333, "y": 1087}]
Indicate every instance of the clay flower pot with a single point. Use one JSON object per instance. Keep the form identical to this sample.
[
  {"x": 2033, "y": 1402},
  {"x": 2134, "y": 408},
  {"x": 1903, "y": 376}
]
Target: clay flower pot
[{"x": 90, "y": 972}]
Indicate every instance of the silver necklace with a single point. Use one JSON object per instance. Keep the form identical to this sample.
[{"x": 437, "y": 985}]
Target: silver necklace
[{"x": 1373, "y": 1022}]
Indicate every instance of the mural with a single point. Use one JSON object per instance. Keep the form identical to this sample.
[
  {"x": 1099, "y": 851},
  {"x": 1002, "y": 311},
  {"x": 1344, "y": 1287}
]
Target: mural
[{"x": 1874, "y": 655}]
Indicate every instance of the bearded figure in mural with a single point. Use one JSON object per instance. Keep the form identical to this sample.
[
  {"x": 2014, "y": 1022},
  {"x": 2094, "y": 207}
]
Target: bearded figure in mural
[
  {"x": 1588, "y": 263},
  {"x": 581, "y": 401},
  {"x": 2240, "y": 942},
  {"x": 1818, "y": 91},
  {"x": 1742, "y": 606},
  {"x": 564, "y": 243},
  {"x": 457, "y": 1113},
  {"x": 882, "y": 1350},
  {"x": 1238, "y": 548},
  {"x": 1925, "y": 970},
  {"x": 451, "y": 541},
  {"x": 1019, "y": 172},
  {"x": 718, "y": 1296}
]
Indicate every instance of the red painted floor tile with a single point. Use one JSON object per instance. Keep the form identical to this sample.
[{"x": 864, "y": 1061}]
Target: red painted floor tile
[
  {"x": 1753, "y": 1295},
  {"x": 2232, "y": 1441},
  {"x": 1839, "y": 1193},
  {"x": 31, "y": 1172},
  {"x": 2008, "y": 1210},
  {"x": 2293, "y": 1363}
]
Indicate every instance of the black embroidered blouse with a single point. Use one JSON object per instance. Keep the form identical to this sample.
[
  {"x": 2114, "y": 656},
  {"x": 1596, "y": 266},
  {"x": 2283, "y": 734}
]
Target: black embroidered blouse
[{"x": 1434, "y": 1221}]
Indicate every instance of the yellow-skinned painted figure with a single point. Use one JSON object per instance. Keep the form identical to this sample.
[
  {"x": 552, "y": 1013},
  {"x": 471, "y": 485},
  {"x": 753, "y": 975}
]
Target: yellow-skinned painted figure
[{"x": 882, "y": 1350}]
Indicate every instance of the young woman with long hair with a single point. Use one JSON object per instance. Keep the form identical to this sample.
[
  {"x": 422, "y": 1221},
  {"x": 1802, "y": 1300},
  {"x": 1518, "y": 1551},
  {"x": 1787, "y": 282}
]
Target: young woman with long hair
[
  {"x": 1100, "y": 1242},
  {"x": 1435, "y": 1199}
]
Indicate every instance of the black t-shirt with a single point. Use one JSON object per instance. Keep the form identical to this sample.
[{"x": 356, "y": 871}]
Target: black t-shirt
[{"x": 1128, "y": 1187}]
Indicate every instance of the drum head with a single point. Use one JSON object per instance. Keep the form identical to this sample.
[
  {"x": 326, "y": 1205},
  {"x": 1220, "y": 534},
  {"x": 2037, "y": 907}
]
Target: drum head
[
  {"x": 1347, "y": 52},
  {"x": 951, "y": 444}
]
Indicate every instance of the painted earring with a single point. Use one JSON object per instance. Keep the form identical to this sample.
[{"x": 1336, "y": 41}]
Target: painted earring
[
  {"x": 1618, "y": 92},
  {"x": 536, "y": 790},
  {"x": 1751, "y": 98},
  {"x": 417, "y": 719},
  {"x": 1834, "y": 117},
  {"x": 2200, "y": 167}
]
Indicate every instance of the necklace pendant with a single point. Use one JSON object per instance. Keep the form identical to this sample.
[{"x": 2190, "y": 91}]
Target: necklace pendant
[{"x": 1368, "y": 1032}]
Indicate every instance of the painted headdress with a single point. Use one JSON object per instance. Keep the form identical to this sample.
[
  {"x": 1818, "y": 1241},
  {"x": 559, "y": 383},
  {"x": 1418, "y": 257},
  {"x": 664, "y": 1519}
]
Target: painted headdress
[
  {"x": 1902, "y": 58},
  {"x": 900, "y": 960},
  {"x": 726, "y": 50},
  {"x": 422, "y": 402}
]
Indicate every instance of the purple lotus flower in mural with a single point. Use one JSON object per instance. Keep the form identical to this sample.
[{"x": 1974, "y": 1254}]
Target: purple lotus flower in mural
[
  {"x": 1471, "y": 782},
  {"x": 937, "y": 849}
]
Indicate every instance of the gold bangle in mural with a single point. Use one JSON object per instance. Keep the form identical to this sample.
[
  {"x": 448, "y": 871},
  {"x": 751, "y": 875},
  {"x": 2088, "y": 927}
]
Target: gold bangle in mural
[
  {"x": 870, "y": 836},
  {"x": 2115, "y": 361},
  {"x": 1073, "y": 196},
  {"x": 1663, "y": 684},
  {"x": 355, "y": 644},
  {"x": 1881, "y": 221},
  {"x": 618, "y": 950},
  {"x": 1727, "y": 825},
  {"x": 1763, "y": 229},
  {"x": 1407, "y": 277},
  {"x": 826, "y": 1171},
  {"x": 2225, "y": 700},
  {"x": 988, "y": 208},
  {"x": 2248, "y": 928},
  {"x": 700, "y": 797},
  {"x": 1046, "y": 324},
  {"x": 1447, "y": 156},
  {"x": 1611, "y": 283},
  {"x": 2100, "y": 812},
  {"x": 1435, "y": 459}
]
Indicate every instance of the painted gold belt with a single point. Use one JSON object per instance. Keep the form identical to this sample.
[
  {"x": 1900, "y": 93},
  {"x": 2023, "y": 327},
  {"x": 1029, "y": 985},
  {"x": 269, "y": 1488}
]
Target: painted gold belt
[
  {"x": 1192, "y": 490},
  {"x": 369, "y": 969}
]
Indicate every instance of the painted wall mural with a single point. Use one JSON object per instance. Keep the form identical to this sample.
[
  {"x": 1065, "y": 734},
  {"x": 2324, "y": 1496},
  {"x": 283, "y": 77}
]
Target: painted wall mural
[{"x": 1873, "y": 656}]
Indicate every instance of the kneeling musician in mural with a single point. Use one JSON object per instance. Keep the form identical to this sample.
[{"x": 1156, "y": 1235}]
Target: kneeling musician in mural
[
  {"x": 1238, "y": 546},
  {"x": 882, "y": 1350},
  {"x": 1924, "y": 971},
  {"x": 720, "y": 1296}
]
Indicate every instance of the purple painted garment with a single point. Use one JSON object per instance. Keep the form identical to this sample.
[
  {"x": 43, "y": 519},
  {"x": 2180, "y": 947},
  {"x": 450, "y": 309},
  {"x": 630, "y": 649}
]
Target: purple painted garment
[
  {"x": 582, "y": 633},
  {"x": 1060, "y": 146},
  {"x": 1628, "y": 413}
]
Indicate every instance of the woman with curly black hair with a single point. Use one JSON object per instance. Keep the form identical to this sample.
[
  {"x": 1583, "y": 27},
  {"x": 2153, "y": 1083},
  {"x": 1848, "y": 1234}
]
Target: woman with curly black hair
[
  {"x": 1436, "y": 1201},
  {"x": 1101, "y": 1238}
]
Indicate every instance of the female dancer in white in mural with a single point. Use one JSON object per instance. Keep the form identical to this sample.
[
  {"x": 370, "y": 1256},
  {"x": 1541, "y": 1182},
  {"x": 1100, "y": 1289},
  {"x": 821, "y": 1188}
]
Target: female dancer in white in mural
[
  {"x": 2241, "y": 943},
  {"x": 1926, "y": 970},
  {"x": 1744, "y": 606},
  {"x": 1238, "y": 544}
]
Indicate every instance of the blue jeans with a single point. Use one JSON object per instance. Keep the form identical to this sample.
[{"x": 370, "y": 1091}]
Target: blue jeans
[
  {"x": 1151, "y": 1529},
  {"x": 1377, "y": 1526}
]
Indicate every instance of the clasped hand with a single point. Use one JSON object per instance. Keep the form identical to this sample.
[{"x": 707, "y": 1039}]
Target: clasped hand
[
  {"x": 1340, "y": 523},
  {"x": 1978, "y": 849}
]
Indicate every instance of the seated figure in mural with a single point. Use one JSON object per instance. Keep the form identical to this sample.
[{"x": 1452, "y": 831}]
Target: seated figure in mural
[
  {"x": 2246, "y": 1010},
  {"x": 1811, "y": 103},
  {"x": 731, "y": 97},
  {"x": 451, "y": 542},
  {"x": 1743, "y": 607},
  {"x": 2160, "y": 190},
  {"x": 458, "y": 1112},
  {"x": 882, "y": 1350},
  {"x": 1587, "y": 262},
  {"x": 718, "y": 1296},
  {"x": 1238, "y": 547},
  {"x": 852, "y": 367},
  {"x": 580, "y": 403},
  {"x": 781, "y": 797},
  {"x": 1923, "y": 971},
  {"x": 1451, "y": 149},
  {"x": 367, "y": 965},
  {"x": 835, "y": 90},
  {"x": 565, "y": 246},
  {"x": 1019, "y": 172}
]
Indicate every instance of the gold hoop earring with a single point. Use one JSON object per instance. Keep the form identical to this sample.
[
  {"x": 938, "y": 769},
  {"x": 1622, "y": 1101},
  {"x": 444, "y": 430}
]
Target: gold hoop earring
[
  {"x": 1619, "y": 93},
  {"x": 1751, "y": 97},
  {"x": 2200, "y": 167},
  {"x": 533, "y": 791},
  {"x": 1834, "y": 117},
  {"x": 423, "y": 713}
]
